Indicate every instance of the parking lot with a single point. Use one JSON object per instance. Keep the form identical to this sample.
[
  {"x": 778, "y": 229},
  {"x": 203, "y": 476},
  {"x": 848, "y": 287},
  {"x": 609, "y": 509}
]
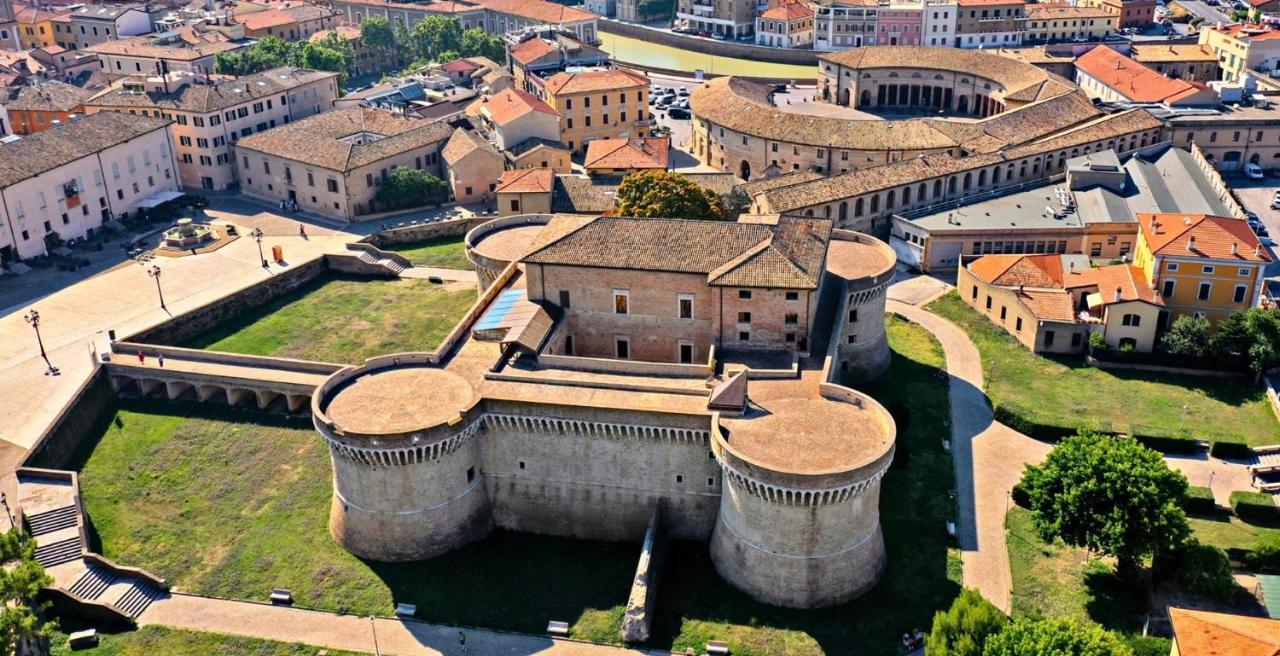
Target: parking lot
[{"x": 1256, "y": 196}]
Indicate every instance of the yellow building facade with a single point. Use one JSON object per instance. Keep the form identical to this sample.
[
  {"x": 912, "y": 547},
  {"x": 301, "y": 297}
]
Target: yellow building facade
[{"x": 602, "y": 104}]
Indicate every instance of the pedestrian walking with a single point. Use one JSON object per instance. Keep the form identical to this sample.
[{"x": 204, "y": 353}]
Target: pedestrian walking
[
  {"x": 160, "y": 359},
  {"x": 302, "y": 231},
  {"x": 462, "y": 638},
  {"x": 142, "y": 357}
]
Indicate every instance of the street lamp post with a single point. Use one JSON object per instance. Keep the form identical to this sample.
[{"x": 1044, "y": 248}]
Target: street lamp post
[
  {"x": 257, "y": 236},
  {"x": 33, "y": 317},
  {"x": 154, "y": 272}
]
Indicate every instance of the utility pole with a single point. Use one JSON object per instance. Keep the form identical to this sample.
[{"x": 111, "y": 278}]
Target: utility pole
[
  {"x": 33, "y": 318},
  {"x": 257, "y": 236},
  {"x": 154, "y": 272}
]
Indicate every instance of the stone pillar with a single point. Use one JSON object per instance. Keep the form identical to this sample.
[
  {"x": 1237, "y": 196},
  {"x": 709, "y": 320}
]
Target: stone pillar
[
  {"x": 176, "y": 389},
  {"x": 236, "y": 396},
  {"x": 265, "y": 397},
  {"x": 296, "y": 402},
  {"x": 147, "y": 386}
]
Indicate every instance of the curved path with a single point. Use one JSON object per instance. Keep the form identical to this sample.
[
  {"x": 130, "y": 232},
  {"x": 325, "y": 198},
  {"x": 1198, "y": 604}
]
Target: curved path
[{"x": 989, "y": 458}]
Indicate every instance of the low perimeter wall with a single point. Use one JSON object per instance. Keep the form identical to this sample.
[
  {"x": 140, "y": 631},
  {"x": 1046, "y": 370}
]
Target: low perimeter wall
[
  {"x": 426, "y": 231},
  {"x": 712, "y": 46}
]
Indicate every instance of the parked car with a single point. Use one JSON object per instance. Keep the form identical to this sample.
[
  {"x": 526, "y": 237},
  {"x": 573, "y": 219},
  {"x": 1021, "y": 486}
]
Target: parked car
[
  {"x": 682, "y": 91},
  {"x": 681, "y": 103},
  {"x": 704, "y": 34},
  {"x": 679, "y": 113},
  {"x": 1253, "y": 171}
]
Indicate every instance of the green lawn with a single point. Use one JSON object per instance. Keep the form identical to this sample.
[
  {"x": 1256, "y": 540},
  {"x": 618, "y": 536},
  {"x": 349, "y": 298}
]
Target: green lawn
[
  {"x": 1226, "y": 531},
  {"x": 231, "y": 502},
  {"x": 1067, "y": 390},
  {"x": 443, "y": 252},
  {"x": 162, "y": 641},
  {"x": 344, "y": 320}
]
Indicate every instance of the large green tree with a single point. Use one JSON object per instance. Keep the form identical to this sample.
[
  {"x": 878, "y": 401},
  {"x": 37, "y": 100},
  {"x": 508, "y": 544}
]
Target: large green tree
[
  {"x": 963, "y": 629},
  {"x": 332, "y": 54},
  {"x": 376, "y": 35},
  {"x": 1055, "y": 637},
  {"x": 664, "y": 194},
  {"x": 1250, "y": 338},
  {"x": 478, "y": 43},
  {"x": 1111, "y": 495},
  {"x": 1187, "y": 337},
  {"x": 436, "y": 35},
  {"x": 22, "y": 627},
  {"x": 406, "y": 188}
]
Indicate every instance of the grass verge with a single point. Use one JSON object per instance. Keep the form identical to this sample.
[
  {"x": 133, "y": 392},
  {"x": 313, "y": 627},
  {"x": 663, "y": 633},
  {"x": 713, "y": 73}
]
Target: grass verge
[
  {"x": 1067, "y": 390},
  {"x": 163, "y": 641},
  {"x": 442, "y": 252}
]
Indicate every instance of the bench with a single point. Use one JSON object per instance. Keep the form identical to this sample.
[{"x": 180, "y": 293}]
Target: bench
[
  {"x": 406, "y": 610},
  {"x": 281, "y": 597},
  {"x": 558, "y": 628},
  {"x": 83, "y": 639},
  {"x": 717, "y": 647}
]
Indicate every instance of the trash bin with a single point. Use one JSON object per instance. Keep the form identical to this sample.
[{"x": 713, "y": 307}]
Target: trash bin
[{"x": 277, "y": 253}]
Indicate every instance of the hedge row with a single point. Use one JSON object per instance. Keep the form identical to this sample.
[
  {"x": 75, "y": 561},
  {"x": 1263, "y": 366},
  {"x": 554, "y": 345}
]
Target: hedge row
[
  {"x": 1045, "y": 428},
  {"x": 1255, "y": 508},
  {"x": 1198, "y": 500},
  {"x": 1265, "y": 559}
]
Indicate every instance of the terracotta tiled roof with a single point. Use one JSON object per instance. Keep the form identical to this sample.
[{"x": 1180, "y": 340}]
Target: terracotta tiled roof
[
  {"x": 345, "y": 32},
  {"x": 787, "y": 10},
  {"x": 1014, "y": 270},
  {"x": 589, "y": 81},
  {"x": 1058, "y": 11},
  {"x": 191, "y": 44},
  {"x": 30, "y": 14},
  {"x": 460, "y": 66},
  {"x": 1049, "y": 304},
  {"x": 510, "y": 104},
  {"x": 60, "y": 144},
  {"x": 1214, "y": 237},
  {"x": 1009, "y": 73},
  {"x": 318, "y": 139},
  {"x": 463, "y": 143},
  {"x": 538, "y": 10},
  {"x": 1201, "y": 633},
  {"x": 1249, "y": 31},
  {"x": 789, "y": 255},
  {"x": 49, "y": 96},
  {"x": 527, "y": 181},
  {"x": 1132, "y": 79},
  {"x": 989, "y": 3},
  {"x": 638, "y": 153},
  {"x": 204, "y": 98},
  {"x": 762, "y": 185},
  {"x": 261, "y": 20},
  {"x": 1129, "y": 280},
  {"x": 531, "y": 50},
  {"x": 1161, "y": 52}
]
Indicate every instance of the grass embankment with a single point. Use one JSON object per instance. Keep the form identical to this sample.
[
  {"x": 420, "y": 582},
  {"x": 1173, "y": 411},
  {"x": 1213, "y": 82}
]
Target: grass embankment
[
  {"x": 442, "y": 252},
  {"x": 162, "y": 641}
]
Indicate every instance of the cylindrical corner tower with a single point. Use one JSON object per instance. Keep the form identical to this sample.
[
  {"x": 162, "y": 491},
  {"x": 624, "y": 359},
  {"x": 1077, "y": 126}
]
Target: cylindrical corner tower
[
  {"x": 407, "y": 483},
  {"x": 799, "y": 521},
  {"x": 866, "y": 265},
  {"x": 492, "y": 245}
]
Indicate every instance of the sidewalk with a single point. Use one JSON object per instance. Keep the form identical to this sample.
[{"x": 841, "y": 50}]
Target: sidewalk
[{"x": 379, "y": 635}]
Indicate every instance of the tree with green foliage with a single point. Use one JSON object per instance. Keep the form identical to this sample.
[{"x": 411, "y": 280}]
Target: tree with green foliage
[
  {"x": 269, "y": 52},
  {"x": 1206, "y": 571},
  {"x": 406, "y": 188},
  {"x": 1250, "y": 338},
  {"x": 23, "y": 629},
  {"x": 735, "y": 202},
  {"x": 1053, "y": 637},
  {"x": 377, "y": 36},
  {"x": 963, "y": 629},
  {"x": 665, "y": 194},
  {"x": 1187, "y": 337},
  {"x": 434, "y": 36},
  {"x": 404, "y": 43},
  {"x": 478, "y": 43},
  {"x": 331, "y": 53},
  {"x": 1111, "y": 495}
]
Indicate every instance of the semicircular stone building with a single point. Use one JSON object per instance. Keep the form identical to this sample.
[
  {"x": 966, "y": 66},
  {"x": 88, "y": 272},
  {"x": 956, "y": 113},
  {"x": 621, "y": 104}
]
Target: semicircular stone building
[{"x": 597, "y": 380}]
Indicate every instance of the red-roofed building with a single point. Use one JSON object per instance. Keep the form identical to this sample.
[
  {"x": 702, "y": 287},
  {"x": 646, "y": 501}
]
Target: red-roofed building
[
  {"x": 1050, "y": 303},
  {"x": 1242, "y": 47},
  {"x": 513, "y": 117},
  {"x": 1112, "y": 77},
  {"x": 1201, "y": 633},
  {"x": 1200, "y": 264},
  {"x": 493, "y": 16},
  {"x": 787, "y": 24},
  {"x": 623, "y": 156},
  {"x": 289, "y": 23},
  {"x": 599, "y": 104},
  {"x": 525, "y": 191}
]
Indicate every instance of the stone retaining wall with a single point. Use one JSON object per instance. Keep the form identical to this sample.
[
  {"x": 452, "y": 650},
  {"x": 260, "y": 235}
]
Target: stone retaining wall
[
  {"x": 79, "y": 417},
  {"x": 425, "y": 231},
  {"x": 712, "y": 46},
  {"x": 643, "y": 601}
]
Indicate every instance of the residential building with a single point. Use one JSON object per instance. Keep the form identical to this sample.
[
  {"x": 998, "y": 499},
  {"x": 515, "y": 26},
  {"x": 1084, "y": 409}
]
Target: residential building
[
  {"x": 35, "y": 24},
  {"x": 539, "y": 153},
  {"x": 1260, "y": 8},
  {"x": 785, "y": 24},
  {"x": 1051, "y": 303},
  {"x": 1201, "y": 264},
  {"x": 990, "y": 23},
  {"x": 468, "y": 72},
  {"x": 494, "y": 16},
  {"x": 188, "y": 48},
  {"x": 525, "y": 191},
  {"x": 513, "y": 117},
  {"x": 598, "y": 104},
  {"x": 290, "y": 23},
  {"x": 732, "y": 18},
  {"x": 472, "y": 166},
  {"x": 1190, "y": 62},
  {"x": 1109, "y": 76},
  {"x": 1126, "y": 13},
  {"x": 641, "y": 11},
  {"x": 544, "y": 52},
  {"x": 1061, "y": 22},
  {"x": 899, "y": 23},
  {"x": 64, "y": 182},
  {"x": 845, "y": 24},
  {"x": 93, "y": 24},
  {"x": 1202, "y": 633},
  {"x": 1242, "y": 47},
  {"x": 938, "y": 23},
  {"x": 332, "y": 163},
  {"x": 1093, "y": 211},
  {"x": 1228, "y": 135},
  {"x": 42, "y": 104},
  {"x": 622, "y": 156},
  {"x": 211, "y": 115},
  {"x": 8, "y": 26}
]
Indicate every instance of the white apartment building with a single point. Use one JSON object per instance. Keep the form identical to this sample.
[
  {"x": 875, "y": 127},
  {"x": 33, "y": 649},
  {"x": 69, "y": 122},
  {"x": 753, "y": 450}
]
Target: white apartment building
[
  {"x": 845, "y": 24},
  {"x": 62, "y": 183},
  {"x": 939, "y": 23},
  {"x": 94, "y": 24},
  {"x": 210, "y": 116}
]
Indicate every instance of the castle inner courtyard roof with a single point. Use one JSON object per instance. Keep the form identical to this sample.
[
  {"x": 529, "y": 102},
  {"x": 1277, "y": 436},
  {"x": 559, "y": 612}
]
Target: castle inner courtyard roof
[{"x": 508, "y": 244}]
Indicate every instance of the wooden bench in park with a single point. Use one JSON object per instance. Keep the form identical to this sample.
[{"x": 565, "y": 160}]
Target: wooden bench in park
[
  {"x": 717, "y": 647},
  {"x": 557, "y": 628},
  {"x": 83, "y": 639},
  {"x": 281, "y": 597},
  {"x": 406, "y": 610}
]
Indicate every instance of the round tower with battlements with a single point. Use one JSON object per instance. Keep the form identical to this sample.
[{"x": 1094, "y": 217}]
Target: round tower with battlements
[
  {"x": 866, "y": 265},
  {"x": 799, "y": 521}
]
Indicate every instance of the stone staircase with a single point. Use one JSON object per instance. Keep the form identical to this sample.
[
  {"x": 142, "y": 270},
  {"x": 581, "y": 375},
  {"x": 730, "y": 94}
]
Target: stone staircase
[
  {"x": 93, "y": 582},
  {"x": 56, "y": 534},
  {"x": 386, "y": 263},
  {"x": 1266, "y": 469}
]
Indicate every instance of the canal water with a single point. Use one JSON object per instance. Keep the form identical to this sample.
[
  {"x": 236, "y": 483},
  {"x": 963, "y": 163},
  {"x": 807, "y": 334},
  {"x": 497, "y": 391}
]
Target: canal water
[{"x": 633, "y": 51}]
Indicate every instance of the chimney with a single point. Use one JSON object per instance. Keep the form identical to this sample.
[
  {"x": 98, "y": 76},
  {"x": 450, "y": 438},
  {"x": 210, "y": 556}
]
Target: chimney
[
  {"x": 1191, "y": 243},
  {"x": 1257, "y": 250},
  {"x": 1117, "y": 294},
  {"x": 1233, "y": 248}
]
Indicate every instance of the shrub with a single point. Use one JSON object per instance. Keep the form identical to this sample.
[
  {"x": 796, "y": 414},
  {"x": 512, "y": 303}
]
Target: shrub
[
  {"x": 1206, "y": 571},
  {"x": 1034, "y": 424},
  {"x": 963, "y": 629},
  {"x": 1166, "y": 441},
  {"x": 1255, "y": 508},
  {"x": 1097, "y": 342},
  {"x": 1020, "y": 496},
  {"x": 1230, "y": 446},
  {"x": 1198, "y": 500},
  {"x": 1149, "y": 645},
  {"x": 1057, "y": 637},
  {"x": 1265, "y": 558}
]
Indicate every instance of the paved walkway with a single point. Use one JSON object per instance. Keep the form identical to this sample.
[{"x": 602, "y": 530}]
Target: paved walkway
[{"x": 380, "y": 635}]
